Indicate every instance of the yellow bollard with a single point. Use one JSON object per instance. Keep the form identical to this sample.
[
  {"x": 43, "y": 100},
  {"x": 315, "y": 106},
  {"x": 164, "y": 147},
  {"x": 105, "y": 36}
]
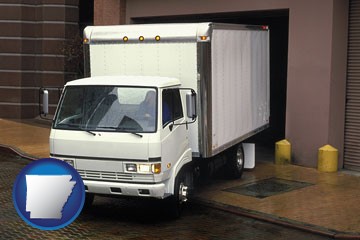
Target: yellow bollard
[
  {"x": 328, "y": 159},
  {"x": 282, "y": 152}
]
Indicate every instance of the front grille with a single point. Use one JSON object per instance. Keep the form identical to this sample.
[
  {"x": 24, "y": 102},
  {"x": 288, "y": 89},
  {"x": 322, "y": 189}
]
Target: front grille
[{"x": 115, "y": 176}]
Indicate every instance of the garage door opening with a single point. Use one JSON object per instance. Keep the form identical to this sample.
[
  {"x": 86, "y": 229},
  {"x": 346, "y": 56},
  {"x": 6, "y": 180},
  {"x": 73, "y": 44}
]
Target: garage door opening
[{"x": 278, "y": 22}]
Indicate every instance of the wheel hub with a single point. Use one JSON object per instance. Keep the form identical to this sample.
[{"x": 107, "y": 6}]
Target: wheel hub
[
  {"x": 239, "y": 158},
  {"x": 183, "y": 192}
]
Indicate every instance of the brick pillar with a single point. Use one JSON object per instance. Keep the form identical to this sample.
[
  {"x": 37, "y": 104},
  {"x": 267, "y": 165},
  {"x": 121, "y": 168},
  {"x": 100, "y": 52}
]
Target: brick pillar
[{"x": 32, "y": 36}]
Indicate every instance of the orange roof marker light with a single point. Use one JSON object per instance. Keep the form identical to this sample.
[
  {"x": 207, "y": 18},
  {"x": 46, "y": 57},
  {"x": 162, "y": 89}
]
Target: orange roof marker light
[
  {"x": 141, "y": 38},
  {"x": 125, "y": 39},
  {"x": 157, "y": 38},
  {"x": 86, "y": 40},
  {"x": 203, "y": 38}
]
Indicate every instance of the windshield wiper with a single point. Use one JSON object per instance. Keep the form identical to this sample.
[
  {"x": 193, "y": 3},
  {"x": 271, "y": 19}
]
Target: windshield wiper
[
  {"x": 72, "y": 125},
  {"x": 135, "y": 133},
  {"x": 88, "y": 131},
  {"x": 122, "y": 130},
  {"x": 75, "y": 126}
]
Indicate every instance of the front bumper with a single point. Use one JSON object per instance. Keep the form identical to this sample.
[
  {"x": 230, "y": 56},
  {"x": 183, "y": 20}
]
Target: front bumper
[{"x": 126, "y": 189}]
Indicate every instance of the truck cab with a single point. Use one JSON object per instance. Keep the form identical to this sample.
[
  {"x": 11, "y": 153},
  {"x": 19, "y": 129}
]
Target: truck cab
[{"x": 124, "y": 135}]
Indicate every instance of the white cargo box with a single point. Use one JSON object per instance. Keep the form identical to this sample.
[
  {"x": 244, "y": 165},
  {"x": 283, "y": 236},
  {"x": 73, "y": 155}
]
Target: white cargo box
[{"x": 227, "y": 65}]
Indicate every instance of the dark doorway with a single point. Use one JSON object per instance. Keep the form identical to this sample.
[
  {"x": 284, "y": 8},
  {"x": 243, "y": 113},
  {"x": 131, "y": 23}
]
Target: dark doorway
[
  {"x": 278, "y": 22},
  {"x": 86, "y": 14}
]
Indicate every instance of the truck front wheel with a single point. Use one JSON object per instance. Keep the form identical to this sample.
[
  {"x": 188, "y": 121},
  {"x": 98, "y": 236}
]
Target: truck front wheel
[
  {"x": 89, "y": 199},
  {"x": 181, "y": 191},
  {"x": 235, "y": 162}
]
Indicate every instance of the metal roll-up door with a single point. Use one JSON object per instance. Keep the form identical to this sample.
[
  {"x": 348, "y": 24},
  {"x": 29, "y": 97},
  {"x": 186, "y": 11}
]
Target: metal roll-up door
[{"x": 352, "y": 123}]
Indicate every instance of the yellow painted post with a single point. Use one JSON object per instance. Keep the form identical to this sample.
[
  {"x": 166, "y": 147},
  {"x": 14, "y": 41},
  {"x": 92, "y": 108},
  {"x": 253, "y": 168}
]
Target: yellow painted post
[
  {"x": 328, "y": 159},
  {"x": 282, "y": 152}
]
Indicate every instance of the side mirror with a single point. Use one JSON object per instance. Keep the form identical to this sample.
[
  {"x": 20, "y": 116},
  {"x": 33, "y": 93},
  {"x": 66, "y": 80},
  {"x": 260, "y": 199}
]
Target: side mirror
[
  {"x": 191, "y": 105},
  {"x": 45, "y": 101}
]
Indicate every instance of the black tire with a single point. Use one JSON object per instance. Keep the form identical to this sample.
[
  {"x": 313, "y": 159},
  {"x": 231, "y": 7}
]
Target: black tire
[
  {"x": 176, "y": 202},
  {"x": 89, "y": 199},
  {"x": 235, "y": 162}
]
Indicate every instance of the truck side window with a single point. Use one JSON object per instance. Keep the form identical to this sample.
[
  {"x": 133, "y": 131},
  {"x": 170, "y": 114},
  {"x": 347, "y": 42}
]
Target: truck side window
[{"x": 171, "y": 106}]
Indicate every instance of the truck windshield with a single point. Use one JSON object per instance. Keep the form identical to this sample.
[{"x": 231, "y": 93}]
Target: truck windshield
[{"x": 107, "y": 108}]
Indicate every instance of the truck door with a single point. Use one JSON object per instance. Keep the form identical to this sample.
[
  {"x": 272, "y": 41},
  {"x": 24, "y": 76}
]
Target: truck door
[{"x": 174, "y": 138}]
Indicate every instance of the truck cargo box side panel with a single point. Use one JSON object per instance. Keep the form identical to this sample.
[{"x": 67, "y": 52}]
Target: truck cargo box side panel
[
  {"x": 163, "y": 59},
  {"x": 170, "y": 60},
  {"x": 240, "y": 85}
]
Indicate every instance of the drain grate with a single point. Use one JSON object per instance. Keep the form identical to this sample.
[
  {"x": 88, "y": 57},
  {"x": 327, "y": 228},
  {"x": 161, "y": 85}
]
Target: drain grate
[{"x": 267, "y": 187}]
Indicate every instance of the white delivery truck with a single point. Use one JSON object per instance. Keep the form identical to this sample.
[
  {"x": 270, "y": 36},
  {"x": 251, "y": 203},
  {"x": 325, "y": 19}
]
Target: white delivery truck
[{"x": 159, "y": 100}]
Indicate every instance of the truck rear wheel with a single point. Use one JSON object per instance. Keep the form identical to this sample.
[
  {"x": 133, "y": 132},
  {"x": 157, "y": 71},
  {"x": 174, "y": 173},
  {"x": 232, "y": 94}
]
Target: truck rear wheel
[{"x": 235, "y": 162}]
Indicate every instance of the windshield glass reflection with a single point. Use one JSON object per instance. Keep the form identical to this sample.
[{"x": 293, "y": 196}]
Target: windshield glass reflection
[{"x": 108, "y": 108}]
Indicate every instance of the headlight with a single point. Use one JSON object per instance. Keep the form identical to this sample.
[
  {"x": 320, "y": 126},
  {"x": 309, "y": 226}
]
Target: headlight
[
  {"x": 143, "y": 168},
  {"x": 130, "y": 167}
]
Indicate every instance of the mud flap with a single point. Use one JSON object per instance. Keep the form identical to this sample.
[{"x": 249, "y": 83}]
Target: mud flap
[{"x": 249, "y": 152}]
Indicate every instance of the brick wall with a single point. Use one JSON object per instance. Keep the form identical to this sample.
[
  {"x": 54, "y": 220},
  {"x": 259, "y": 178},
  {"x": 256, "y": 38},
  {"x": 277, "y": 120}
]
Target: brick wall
[{"x": 33, "y": 34}]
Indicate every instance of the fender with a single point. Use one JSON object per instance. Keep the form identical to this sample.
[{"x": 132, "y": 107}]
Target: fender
[{"x": 184, "y": 160}]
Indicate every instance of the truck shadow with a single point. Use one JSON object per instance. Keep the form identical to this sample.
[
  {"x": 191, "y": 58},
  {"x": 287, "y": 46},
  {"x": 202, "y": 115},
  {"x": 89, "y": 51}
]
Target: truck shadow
[{"x": 136, "y": 210}]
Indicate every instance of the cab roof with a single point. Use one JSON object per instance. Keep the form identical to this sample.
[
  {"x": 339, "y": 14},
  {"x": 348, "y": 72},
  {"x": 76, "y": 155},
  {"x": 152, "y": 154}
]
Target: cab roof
[{"x": 138, "y": 81}]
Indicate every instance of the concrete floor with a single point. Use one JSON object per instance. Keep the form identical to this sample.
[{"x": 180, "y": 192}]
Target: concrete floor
[
  {"x": 27, "y": 137},
  {"x": 329, "y": 205}
]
